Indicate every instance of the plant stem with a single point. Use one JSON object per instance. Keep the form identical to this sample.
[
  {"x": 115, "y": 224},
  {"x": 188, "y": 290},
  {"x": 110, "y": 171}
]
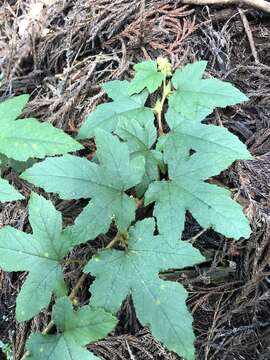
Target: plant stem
[
  {"x": 160, "y": 112},
  {"x": 114, "y": 241},
  {"x": 77, "y": 287},
  {"x": 139, "y": 202},
  {"x": 26, "y": 354}
]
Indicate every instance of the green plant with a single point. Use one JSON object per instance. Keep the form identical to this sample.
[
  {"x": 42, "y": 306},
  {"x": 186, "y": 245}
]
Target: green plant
[
  {"x": 22, "y": 140},
  {"x": 142, "y": 158}
]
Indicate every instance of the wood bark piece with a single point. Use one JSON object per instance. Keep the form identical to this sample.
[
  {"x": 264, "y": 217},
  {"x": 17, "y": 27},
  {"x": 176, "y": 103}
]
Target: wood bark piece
[{"x": 257, "y": 4}]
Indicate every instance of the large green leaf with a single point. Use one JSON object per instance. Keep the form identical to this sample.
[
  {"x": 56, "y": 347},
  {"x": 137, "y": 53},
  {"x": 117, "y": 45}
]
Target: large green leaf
[
  {"x": 186, "y": 189},
  {"x": 159, "y": 304},
  {"x": 146, "y": 76},
  {"x": 105, "y": 183},
  {"x": 106, "y": 116},
  {"x": 195, "y": 95},
  {"x": 76, "y": 329},
  {"x": 8, "y": 192},
  {"x": 140, "y": 138},
  {"x": 40, "y": 254}
]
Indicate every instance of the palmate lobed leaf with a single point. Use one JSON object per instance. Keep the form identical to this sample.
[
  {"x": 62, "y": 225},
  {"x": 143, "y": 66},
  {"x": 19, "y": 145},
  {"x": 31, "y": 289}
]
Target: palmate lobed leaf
[
  {"x": 215, "y": 149},
  {"x": 107, "y": 116},
  {"x": 105, "y": 183},
  {"x": 209, "y": 204},
  {"x": 75, "y": 330},
  {"x": 186, "y": 189},
  {"x": 146, "y": 76},
  {"x": 195, "y": 95},
  {"x": 40, "y": 254},
  {"x": 159, "y": 304}
]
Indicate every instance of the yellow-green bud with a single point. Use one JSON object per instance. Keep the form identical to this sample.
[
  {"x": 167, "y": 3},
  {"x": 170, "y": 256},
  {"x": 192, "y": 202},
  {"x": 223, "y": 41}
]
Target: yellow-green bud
[
  {"x": 164, "y": 66},
  {"x": 75, "y": 301}
]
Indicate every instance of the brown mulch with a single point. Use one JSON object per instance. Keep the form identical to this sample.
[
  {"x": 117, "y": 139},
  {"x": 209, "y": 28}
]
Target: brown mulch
[{"x": 60, "y": 53}]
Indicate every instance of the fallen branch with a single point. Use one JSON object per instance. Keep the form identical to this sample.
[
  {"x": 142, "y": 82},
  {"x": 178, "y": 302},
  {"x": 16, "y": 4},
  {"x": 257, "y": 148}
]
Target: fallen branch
[
  {"x": 249, "y": 35},
  {"x": 257, "y": 4}
]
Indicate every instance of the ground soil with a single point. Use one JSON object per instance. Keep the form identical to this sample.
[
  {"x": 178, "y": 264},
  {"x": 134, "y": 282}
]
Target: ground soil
[{"x": 60, "y": 53}]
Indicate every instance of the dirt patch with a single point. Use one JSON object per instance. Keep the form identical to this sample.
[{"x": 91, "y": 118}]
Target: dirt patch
[{"x": 60, "y": 53}]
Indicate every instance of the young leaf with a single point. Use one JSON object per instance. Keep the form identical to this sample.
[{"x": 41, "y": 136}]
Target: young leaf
[
  {"x": 186, "y": 190},
  {"x": 105, "y": 183},
  {"x": 195, "y": 95},
  {"x": 140, "y": 138},
  {"x": 146, "y": 76},
  {"x": 22, "y": 139},
  {"x": 159, "y": 304},
  {"x": 40, "y": 254},
  {"x": 8, "y": 192},
  {"x": 10, "y": 109},
  {"x": 75, "y": 330},
  {"x": 106, "y": 116}
]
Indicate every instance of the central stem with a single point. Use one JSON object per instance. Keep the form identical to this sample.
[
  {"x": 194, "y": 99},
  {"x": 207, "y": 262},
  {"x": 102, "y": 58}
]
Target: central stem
[
  {"x": 160, "y": 110},
  {"x": 160, "y": 105}
]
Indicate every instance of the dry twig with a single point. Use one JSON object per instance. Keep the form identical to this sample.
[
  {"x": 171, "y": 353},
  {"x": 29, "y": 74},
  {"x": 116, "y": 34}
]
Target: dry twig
[{"x": 249, "y": 35}]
